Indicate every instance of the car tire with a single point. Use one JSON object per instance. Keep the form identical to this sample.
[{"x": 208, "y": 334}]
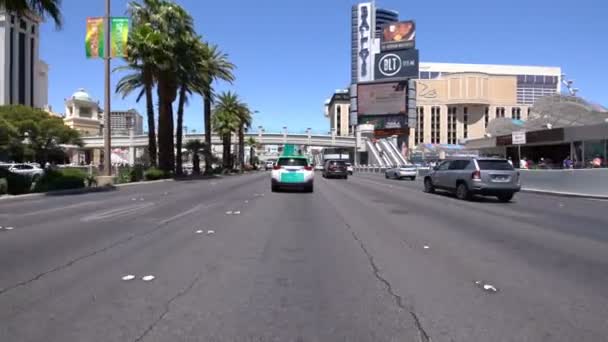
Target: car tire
[
  {"x": 428, "y": 186},
  {"x": 505, "y": 198},
  {"x": 309, "y": 188},
  {"x": 413, "y": 178},
  {"x": 346, "y": 177},
  {"x": 386, "y": 175},
  {"x": 462, "y": 192},
  {"x": 274, "y": 188}
]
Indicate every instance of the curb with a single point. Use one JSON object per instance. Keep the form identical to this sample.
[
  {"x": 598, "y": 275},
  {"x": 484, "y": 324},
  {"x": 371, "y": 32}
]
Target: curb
[
  {"x": 59, "y": 193},
  {"x": 564, "y": 194}
]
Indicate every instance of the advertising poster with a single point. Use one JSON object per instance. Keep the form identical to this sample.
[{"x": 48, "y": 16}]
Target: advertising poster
[
  {"x": 398, "y": 36},
  {"x": 381, "y": 99},
  {"x": 95, "y": 37}
]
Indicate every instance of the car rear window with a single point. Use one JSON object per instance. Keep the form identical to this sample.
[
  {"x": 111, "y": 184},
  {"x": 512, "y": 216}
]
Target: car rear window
[
  {"x": 497, "y": 165},
  {"x": 337, "y": 162},
  {"x": 293, "y": 162}
]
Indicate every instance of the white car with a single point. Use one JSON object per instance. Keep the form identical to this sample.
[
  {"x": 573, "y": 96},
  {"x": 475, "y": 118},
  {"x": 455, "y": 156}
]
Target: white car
[
  {"x": 25, "y": 169},
  {"x": 349, "y": 168},
  {"x": 402, "y": 171},
  {"x": 293, "y": 172},
  {"x": 319, "y": 167},
  {"x": 269, "y": 165}
]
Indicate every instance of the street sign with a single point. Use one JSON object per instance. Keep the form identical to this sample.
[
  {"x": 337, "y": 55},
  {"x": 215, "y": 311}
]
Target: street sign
[{"x": 518, "y": 138}]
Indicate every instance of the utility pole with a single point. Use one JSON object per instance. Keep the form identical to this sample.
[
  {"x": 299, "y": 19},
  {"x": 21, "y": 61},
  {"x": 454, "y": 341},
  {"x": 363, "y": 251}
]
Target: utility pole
[{"x": 107, "y": 144}]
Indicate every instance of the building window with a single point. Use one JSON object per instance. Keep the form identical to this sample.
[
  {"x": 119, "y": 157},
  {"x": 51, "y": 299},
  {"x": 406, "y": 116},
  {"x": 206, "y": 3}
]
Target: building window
[
  {"x": 435, "y": 128},
  {"x": 419, "y": 134},
  {"x": 338, "y": 120},
  {"x": 452, "y": 125},
  {"x": 516, "y": 113},
  {"x": 21, "y": 71},
  {"x": 33, "y": 29},
  {"x": 23, "y": 24},
  {"x": 32, "y": 71},
  {"x": 486, "y": 117},
  {"x": 465, "y": 122},
  {"x": 11, "y": 64},
  {"x": 500, "y": 112}
]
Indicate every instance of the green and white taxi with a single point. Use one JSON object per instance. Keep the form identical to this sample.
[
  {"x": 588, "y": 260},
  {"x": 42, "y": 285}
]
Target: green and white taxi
[{"x": 293, "y": 172}]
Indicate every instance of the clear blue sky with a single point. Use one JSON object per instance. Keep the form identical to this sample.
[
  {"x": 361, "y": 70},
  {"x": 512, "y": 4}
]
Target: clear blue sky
[{"x": 291, "y": 55}]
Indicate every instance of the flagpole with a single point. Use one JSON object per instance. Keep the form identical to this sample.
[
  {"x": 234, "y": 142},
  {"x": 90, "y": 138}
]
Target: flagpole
[{"x": 107, "y": 145}]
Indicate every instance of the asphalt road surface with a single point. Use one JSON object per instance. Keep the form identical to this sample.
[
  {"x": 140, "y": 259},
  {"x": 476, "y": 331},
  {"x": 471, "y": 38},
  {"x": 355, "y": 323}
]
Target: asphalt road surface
[{"x": 363, "y": 259}]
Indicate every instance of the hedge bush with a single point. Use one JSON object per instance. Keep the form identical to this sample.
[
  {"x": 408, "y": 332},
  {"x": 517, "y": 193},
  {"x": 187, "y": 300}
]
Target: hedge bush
[
  {"x": 61, "y": 180},
  {"x": 18, "y": 184},
  {"x": 3, "y": 186},
  {"x": 154, "y": 174},
  {"x": 137, "y": 173}
]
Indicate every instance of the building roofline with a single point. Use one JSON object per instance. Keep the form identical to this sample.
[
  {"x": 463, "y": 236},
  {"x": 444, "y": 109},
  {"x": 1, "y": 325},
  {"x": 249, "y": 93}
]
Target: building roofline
[{"x": 490, "y": 68}]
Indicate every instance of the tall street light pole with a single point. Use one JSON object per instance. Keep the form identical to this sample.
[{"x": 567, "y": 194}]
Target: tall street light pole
[{"x": 107, "y": 144}]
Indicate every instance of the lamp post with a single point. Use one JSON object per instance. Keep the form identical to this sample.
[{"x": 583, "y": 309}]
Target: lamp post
[
  {"x": 107, "y": 144},
  {"x": 130, "y": 126}
]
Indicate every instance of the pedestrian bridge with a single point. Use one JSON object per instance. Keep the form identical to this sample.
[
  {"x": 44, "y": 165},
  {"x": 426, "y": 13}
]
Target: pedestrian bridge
[{"x": 262, "y": 138}]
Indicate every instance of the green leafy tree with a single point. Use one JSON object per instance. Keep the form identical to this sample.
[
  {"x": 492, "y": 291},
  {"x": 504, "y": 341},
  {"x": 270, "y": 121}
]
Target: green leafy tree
[
  {"x": 42, "y": 8},
  {"x": 34, "y": 133},
  {"x": 252, "y": 143},
  {"x": 225, "y": 121}
]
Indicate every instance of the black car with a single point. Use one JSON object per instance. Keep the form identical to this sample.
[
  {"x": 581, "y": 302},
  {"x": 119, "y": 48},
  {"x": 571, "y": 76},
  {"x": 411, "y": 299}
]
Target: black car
[{"x": 335, "y": 169}]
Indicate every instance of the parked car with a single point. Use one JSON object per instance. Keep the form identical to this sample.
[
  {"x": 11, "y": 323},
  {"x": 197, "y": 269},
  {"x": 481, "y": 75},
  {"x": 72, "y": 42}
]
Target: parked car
[
  {"x": 335, "y": 169},
  {"x": 402, "y": 171},
  {"x": 292, "y": 172},
  {"x": 269, "y": 164},
  {"x": 25, "y": 169},
  {"x": 319, "y": 167},
  {"x": 475, "y": 176},
  {"x": 349, "y": 168}
]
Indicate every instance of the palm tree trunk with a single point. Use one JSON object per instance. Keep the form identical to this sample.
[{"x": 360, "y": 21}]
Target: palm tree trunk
[
  {"x": 166, "y": 152},
  {"x": 151, "y": 126},
  {"x": 226, "y": 152},
  {"x": 207, "y": 117},
  {"x": 179, "y": 132},
  {"x": 241, "y": 148},
  {"x": 196, "y": 168}
]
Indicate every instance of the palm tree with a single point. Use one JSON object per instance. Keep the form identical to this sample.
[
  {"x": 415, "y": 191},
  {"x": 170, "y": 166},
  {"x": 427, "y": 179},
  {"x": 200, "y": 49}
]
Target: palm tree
[
  {"x": 141, "y": 77},
  {"x": 173, "y": 25},
  {"x": 225, "y": 121},
  {"x": 190, "y": 79},
  {"x": 214, "y": 66},
  {"x": 244, "y": 116},
  {"x": 252, "y": 143},
  {"x": 196, "y": 147},
  {"x": 42, "y": 8}
]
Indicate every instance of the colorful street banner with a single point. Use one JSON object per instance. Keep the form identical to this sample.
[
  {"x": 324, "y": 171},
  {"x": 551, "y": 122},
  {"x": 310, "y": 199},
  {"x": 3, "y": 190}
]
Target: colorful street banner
[
  {"x": 120, "y": 34},
  {"x": 94, "y": 40}
]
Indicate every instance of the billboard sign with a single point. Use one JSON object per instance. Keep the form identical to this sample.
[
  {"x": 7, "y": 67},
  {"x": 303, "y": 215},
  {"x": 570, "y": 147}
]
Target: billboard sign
[
  {"x": 397, "y": 64},
  {"x": 381, "y": 99},
  {"x": 365, "y": 29},
  {"x": 398, "y": 36},
  {"x": 385, "y": 122}
]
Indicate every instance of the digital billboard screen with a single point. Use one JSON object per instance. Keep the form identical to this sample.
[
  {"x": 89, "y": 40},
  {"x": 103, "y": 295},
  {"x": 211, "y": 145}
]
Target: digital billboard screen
[
  {"x": 398, "y": 36},
  {"x": 381, "y": 99}
]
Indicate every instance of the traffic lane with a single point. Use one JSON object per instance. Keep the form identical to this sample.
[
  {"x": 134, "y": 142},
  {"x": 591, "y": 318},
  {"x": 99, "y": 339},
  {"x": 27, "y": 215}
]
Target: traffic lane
[
  {"x": 545, "y": 291},
  {"x": 46, "y": 243},
  {"x": 291, "y": 271},
  {"x": 88, "y": 300},
  {"x": 575, "y": 216}
]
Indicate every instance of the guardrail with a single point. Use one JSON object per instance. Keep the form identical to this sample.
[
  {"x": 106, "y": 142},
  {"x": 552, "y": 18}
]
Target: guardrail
[{"x": 422, "y": 171}]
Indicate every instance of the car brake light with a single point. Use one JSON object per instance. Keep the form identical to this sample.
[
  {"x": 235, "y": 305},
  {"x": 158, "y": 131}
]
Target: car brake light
[
  {"x": 308, "y": 168},
  {"x": 476, "y": 175},
  {"x": 276, "y": 167}
]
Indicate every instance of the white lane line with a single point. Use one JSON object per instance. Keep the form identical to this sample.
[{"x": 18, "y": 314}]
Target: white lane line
[
  {"x": 187, "y": 212},
  {"x": 51, "y": 210},
  {"x": 199, "y": 231},
  {"x": 128, "y": 277},
  {"x": 210, "y": 232},
  {"x": 116, "y": 212},
  {"x": 426, "y": 247}
]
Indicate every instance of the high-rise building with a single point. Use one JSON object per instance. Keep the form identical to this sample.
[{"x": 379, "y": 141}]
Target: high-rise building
[
  {"x": 23, "y": 76},
  {"x": 376, "y": 18},
  {"x": 120, "y": 122}
]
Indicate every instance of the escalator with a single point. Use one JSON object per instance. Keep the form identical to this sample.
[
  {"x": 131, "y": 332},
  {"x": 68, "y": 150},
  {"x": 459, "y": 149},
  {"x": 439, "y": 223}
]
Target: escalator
[
  {"x": 383, "y": 155},
  {"x": 389, "y": 152},
  {"x": 401, "y": 159},
  {"x": 374, "y": 154}
]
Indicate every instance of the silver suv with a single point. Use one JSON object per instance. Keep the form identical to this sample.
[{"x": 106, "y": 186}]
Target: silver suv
[{"x": 474, "y": 176}]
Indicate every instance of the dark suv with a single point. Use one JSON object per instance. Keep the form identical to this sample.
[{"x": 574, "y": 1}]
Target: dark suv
[
  {"x": 475, "y": 176},
  {"x": 335, "y": 169}
]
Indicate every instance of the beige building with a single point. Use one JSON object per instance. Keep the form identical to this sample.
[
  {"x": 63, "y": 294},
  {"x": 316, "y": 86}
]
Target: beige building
[
  {"x": 456, "y": 102},
  {"x": 337, "y": 111},
  {"x": 83, "y": 114}
]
